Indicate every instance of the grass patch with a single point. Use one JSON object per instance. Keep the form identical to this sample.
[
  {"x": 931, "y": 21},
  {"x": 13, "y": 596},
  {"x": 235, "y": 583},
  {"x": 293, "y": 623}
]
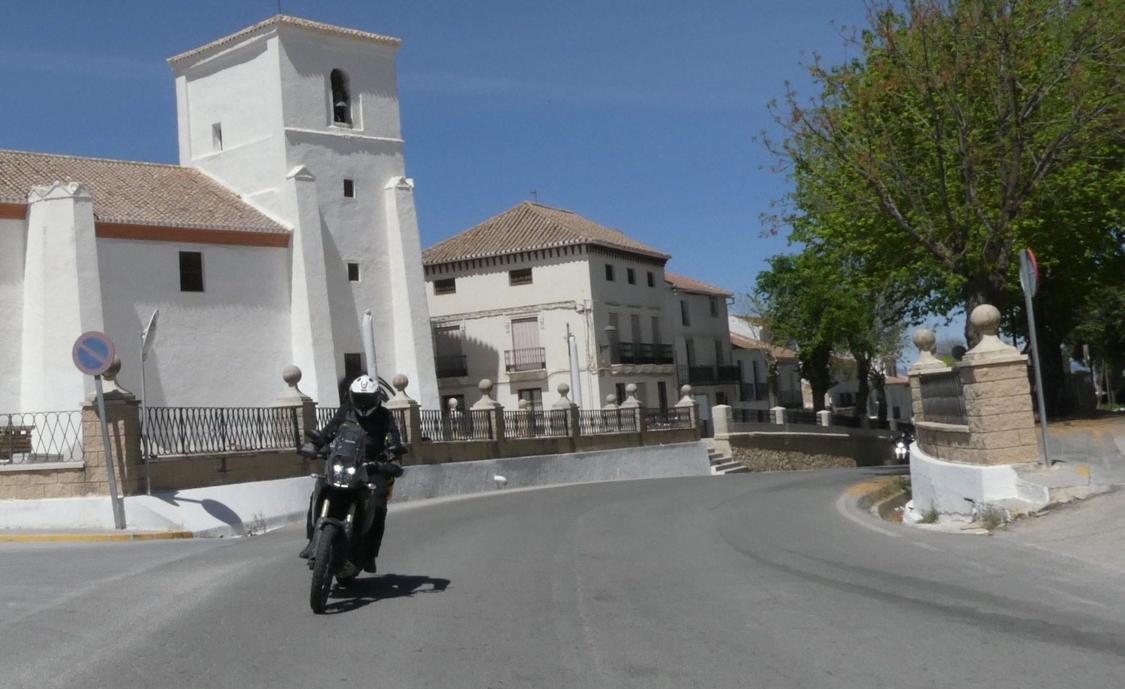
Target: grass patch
[
  {"x": 930, "y": 516},
  {"x": 876, "y": 491},
  {"x": 992, "y": 518}
]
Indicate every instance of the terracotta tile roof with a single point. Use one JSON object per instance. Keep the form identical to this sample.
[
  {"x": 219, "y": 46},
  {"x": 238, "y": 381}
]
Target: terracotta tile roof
[
  {"x": 531, "y": 226},
  {"x": 127, "y": 192},
  {"x": 743, "y": 342},
  {"x": 689, "y": 285},
  {"x": 280, "y": 19}
]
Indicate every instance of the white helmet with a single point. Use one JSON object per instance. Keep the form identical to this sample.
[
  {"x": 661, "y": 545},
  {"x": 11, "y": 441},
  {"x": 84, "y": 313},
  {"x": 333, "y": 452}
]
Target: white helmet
[{"x": 365, "y": 395}]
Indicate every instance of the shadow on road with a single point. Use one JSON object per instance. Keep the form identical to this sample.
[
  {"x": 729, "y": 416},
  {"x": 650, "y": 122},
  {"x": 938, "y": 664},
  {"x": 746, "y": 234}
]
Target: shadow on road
[{"x": 363, "y": 592}]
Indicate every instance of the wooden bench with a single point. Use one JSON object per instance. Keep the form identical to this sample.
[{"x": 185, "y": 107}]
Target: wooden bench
[{"x": 15, "y": 440}]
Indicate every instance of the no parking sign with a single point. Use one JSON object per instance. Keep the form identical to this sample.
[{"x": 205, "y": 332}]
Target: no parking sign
[{"x": 93, "y": 354}]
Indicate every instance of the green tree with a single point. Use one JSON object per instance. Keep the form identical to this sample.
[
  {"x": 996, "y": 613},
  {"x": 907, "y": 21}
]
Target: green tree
[
  {"x": 963, "y": 131},
  {"x": 826, "y": 303}
]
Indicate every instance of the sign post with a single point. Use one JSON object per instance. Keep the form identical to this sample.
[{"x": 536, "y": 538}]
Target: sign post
[
  {"x": 147, "y": 336},
  {"x": 1029, "y": 281},
  {"x": 93, "y": 354}
]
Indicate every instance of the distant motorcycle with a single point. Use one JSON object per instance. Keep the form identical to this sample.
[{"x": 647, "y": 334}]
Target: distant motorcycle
[
  {"x": 342, "y": 521},
  {"x": 902, "y": 441}
]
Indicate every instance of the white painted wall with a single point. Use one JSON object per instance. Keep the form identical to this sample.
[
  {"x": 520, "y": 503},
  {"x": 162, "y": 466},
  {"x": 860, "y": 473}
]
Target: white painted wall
[
  {"x": 287, "y": 70},
  {"x": 484, "y": 306},
  {"x": 13, "y": 245},
  {"x": 62, "y": 296},
  {"x": 224, "y": 346}
]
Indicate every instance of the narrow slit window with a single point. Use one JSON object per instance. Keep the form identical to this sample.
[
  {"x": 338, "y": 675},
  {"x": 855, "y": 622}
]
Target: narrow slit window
[
  {"x": 631, "y": 276},
  {"x": 651, "y": 279},
  {"x": 353, "y": 272},
  {"x": 609, "y": 272},
  {"x": 349, "y": 188},
  {"x": 191, "y": 271}
]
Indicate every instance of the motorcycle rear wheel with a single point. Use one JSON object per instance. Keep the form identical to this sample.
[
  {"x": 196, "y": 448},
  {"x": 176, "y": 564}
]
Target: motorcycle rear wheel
[{"x": 322, "y": 569}]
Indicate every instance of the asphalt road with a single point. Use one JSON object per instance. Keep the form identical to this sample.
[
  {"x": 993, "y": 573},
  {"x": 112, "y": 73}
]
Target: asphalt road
[{"x": 735, "y": 581}]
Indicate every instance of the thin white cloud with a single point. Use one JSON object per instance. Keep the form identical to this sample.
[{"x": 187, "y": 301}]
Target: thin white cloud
[{"x": 80, "y": 64}]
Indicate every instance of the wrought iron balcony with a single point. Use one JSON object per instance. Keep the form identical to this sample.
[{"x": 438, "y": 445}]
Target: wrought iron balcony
[
  {"x": 451, "y": 366},
  {"x": 643, "y": 353},
  {"x": 753, "y": 392},
  {"x": 528, "y": 359},
  {"x": 708, "y": 375}
]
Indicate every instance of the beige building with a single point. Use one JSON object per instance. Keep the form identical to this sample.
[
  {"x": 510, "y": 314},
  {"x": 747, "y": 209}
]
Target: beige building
[{"x": 538, "y": 296}]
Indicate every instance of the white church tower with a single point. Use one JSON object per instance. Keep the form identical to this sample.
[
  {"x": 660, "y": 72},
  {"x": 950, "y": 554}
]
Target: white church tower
[{"x": 301, "y": 119}]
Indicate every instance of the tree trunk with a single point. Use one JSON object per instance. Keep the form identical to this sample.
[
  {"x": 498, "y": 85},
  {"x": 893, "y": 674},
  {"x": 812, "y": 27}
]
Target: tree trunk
[
  {"x": 862, "y": 371},
  {"x": 815, "y": 368},
  {"x": 977, "y": 292},
  {"x": 879, "y": 387}
]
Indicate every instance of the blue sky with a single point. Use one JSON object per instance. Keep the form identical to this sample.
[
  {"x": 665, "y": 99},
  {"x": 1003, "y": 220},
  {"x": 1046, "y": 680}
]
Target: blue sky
[{"x": 640, "y": 114}]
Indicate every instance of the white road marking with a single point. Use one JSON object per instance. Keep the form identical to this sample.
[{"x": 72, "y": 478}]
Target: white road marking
[{"x": 841, "y": 507}]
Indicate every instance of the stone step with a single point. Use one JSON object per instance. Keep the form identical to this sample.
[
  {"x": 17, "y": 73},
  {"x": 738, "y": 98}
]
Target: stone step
[{"x": 727, "y": 467}]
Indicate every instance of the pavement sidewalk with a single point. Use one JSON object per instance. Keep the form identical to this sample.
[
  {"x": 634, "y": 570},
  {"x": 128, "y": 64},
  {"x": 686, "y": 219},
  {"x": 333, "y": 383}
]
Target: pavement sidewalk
[{"x": 87, "y": 535}]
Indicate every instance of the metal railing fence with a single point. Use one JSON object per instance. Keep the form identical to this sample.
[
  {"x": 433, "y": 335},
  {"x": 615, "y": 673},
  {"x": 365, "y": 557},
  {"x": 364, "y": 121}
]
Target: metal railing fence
[
  {"x": 665, "y": 419},
  {"x": 536, "y": 423},
  {"x": 527, "y": 359},
  {"x": 595, "y": 421},
  {"x": 209, "y": 430},
  {"x": 46, "y": 436},
  {"x": 439, "y": 425}
]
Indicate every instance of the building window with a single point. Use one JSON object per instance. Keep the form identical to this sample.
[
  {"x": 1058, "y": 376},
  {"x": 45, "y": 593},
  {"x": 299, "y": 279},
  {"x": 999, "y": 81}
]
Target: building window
[
  {"x": 532, "y": 395},
  {"x": 630, "y": 276},
  {"x": 519, "y": 277},
  {"x": 353, "y": 272},
  {"x": 341, "y": 99},
  {"x": 662, "y": 393},
  {"x": 620, "y": 392},
  {"x": 191, "y": 271},
  {"x": 217, "y": 137},
  {"x": 651, "y": 279},
  {"x": 447, "y": 286},
  {"x": 684, "y": 312},
  {"x": 349, "y": 188},
  {"x": 609, "y": 272},
  {"x": 353, "y": 365},
  {"x": 714, "y": 306},
  {"x": 721, "y": 397}
]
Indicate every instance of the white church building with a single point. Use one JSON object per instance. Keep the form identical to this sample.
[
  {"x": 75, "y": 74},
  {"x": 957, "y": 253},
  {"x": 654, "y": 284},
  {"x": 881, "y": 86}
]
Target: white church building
[{"x": 288, "y": 216}]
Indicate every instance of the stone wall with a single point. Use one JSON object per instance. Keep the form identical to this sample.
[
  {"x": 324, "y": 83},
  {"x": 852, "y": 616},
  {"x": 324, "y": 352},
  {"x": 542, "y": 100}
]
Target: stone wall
[{"x": 796, "y": 451}]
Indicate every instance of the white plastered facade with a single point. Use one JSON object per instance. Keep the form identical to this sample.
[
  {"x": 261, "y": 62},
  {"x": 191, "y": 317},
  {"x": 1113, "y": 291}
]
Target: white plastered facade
[{"x": 263, "y": 307}]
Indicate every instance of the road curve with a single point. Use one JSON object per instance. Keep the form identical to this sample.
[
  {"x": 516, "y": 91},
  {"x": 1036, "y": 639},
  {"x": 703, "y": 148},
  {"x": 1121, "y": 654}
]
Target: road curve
[{"x": 736, "y": 581}]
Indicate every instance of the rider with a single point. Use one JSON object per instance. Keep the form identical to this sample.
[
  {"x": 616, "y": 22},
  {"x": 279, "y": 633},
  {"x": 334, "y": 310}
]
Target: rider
[{"x": 363, "y": 405}]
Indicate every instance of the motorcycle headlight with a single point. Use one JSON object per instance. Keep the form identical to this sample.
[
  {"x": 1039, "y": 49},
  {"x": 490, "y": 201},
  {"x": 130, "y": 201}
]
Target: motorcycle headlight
[{"x": 339, "y": 475}]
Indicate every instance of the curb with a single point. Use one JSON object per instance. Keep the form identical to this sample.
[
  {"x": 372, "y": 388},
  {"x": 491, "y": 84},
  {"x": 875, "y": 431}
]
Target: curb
[{"x": 94, "y": 537}]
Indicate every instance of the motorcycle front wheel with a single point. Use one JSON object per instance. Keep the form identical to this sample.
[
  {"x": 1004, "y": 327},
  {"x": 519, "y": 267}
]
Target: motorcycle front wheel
[{"x": 322, "y": 568}]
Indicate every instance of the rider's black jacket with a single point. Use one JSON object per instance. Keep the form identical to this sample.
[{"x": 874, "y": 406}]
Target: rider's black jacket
[{"x": 379, "y": 425}]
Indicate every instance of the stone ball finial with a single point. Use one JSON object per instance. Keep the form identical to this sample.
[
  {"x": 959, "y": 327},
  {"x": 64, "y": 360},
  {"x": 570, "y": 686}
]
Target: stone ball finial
[
  {"x": 485, "y": 386},
  {"x": 291, "y": 374},
  {"x": 564, "y": 389},
  {"x": 925, "y": 340},
  {"x": 611, "y": 398},
  {"x": 113, "y": 370},
  {"x": 685, "y": 391},
  {"x": 985, "y": 319},
  {"x": 631, "y": 389},
  {"x": 399, "y": 382},
  {"x": 525, "y": 403},
  {"x": 452, "y": 403}
]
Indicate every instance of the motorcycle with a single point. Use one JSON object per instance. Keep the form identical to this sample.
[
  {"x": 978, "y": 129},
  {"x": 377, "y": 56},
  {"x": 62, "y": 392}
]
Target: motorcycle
[
  {"x": 902, "y": 443},
  {"x": 342, "y": 516}
]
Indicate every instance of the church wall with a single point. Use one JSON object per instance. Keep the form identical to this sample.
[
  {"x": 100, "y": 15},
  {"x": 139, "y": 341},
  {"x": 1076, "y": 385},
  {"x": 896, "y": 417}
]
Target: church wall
[
  {"x": 224, "y": 346},
  {"x": 13, "y": 243}
]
